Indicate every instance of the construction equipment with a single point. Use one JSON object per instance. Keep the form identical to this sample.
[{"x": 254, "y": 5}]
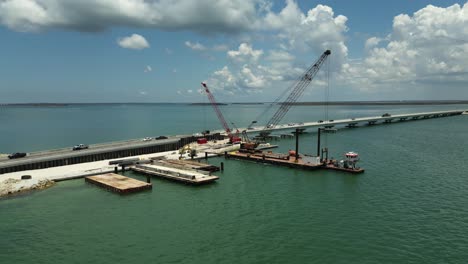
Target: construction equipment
[
  {"x": 267, "y": 109},
  {"x": 296, "y": 92},
  {"x": 233, "y": 138}
]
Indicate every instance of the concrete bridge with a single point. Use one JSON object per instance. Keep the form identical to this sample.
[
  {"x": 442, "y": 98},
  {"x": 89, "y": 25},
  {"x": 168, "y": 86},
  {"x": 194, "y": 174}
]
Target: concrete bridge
[
  {"x": 96, "y": 152},
  {"x": 113, "y": 150},
  {"x": 354, "y": 122}
]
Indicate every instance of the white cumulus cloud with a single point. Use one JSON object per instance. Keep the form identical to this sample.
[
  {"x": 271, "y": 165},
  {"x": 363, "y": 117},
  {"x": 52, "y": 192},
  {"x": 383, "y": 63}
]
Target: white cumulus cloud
[
  {"x": 134, "y": 41},
  {"x": 250, "y": 80},
  {"x": 317, "y": 30},
  {"x": 245, "y": 53},
  {"x": 372, "y": 42},
  {"x": 299, "y": 39},
  {"x": 426, "y": 49}
]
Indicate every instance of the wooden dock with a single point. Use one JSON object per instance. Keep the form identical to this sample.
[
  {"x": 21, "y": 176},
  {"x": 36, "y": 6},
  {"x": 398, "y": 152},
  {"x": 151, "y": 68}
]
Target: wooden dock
[{"x": 118, "y": 183}]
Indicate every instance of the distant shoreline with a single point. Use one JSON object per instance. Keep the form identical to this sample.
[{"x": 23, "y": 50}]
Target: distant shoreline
[
  {"x": 401, "y": 102},
  {"x": 207, "y": 103},
  {"x": 428, "y": 102}
]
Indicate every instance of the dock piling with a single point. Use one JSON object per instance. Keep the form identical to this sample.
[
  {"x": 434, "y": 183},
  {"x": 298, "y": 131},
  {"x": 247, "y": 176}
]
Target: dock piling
[
  {"x": 297, "y": 144},
  {"x": 222, "y": 166},
  {"x": 318, "y": 142}
]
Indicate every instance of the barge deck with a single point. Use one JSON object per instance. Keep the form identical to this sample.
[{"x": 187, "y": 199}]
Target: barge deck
[
  {"x": 194, "y": 177},
  {"x": 302, "y": 162},
  {"x": 118, "y": 183}
]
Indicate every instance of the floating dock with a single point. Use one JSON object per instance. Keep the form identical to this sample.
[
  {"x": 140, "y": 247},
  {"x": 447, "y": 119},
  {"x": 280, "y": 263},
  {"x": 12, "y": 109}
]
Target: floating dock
[
  {"x": 161, "y": 170},
  {"x": 118, "y": 183}
]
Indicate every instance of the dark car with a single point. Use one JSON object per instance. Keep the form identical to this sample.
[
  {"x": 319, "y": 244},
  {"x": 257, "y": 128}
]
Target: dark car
[
  {"x": 386, "y": 115},
  {"x": 17, "y": 155},
  {"x": 80, "y": 146},
  {"x": 331, "y": 120},
  {"x": 320, "y": 121},
  {"x": 161, "y": 137}
]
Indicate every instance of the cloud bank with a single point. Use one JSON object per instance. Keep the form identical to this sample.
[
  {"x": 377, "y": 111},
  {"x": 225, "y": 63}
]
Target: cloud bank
[{"x": 205, "y": 16}]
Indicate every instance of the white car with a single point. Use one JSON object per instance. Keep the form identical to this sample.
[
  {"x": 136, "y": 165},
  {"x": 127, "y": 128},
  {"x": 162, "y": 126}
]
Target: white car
[
  {"x": 80, "y": 147},
  {"x": 147, "y": 139}
]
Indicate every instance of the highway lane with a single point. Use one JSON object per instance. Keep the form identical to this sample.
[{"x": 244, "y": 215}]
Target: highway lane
[{"x": 93, "y": 149}]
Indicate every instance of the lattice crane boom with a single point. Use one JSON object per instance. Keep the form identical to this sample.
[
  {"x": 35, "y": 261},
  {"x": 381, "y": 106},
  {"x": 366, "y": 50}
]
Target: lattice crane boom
[
  {"x": 297, "y": 91},
  {"x": 219, "y": 114}
]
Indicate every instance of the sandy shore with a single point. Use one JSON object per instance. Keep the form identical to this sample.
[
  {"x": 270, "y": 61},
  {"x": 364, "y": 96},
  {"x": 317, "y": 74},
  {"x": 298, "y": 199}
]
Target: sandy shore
[{"x": 11, "y": 183}]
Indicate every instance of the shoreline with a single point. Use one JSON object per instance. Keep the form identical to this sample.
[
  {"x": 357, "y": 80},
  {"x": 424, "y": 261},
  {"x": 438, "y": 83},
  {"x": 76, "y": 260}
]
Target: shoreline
[
  {"x": 11, "y": 183},
  {"x": 389, "y": 102}
]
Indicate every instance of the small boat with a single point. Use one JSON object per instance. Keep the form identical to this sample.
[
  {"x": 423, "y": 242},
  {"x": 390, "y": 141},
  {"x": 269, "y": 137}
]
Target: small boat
[{"x": 263, "y": 146}]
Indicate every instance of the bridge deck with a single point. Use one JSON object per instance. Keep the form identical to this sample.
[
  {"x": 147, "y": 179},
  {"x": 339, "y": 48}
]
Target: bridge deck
[
  {"x": 66, "y": 156},
  {"x": 356, "y": 121}
]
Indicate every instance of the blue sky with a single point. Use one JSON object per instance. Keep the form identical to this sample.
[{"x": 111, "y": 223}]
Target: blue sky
[{"x": 249, "y": 50}]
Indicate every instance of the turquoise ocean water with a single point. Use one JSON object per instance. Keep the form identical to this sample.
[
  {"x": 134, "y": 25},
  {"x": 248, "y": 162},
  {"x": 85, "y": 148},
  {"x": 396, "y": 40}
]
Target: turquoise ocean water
[{"x": 410, "y": 206}]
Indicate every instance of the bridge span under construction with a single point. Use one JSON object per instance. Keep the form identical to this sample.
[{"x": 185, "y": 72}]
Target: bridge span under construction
[{"x": 114, "y": 150}]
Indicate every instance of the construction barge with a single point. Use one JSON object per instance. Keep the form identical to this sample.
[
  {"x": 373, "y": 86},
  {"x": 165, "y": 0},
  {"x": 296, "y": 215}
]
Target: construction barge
[
  {"x": 118, "y": 183},
  {"x": 305, "y": 162},
  {"x": 295, "y": 160},
  {"x": 187, "y": 173}
]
